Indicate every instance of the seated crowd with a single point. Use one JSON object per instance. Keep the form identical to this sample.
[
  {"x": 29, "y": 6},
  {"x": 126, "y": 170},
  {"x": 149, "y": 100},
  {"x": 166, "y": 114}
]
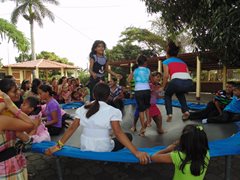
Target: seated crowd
[{"x": 37, "y": 105}]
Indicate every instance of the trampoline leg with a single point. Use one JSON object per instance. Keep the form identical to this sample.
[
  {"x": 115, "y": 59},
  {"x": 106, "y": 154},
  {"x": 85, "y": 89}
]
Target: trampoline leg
[
  {"x": 59, "y": 170},
  {"x": 227, "y": 167}
]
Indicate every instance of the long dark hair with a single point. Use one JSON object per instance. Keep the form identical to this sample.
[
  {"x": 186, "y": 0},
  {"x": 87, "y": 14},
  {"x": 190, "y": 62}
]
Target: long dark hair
[
  {"x": 35, "y": 84},
  {"x": 47, "y": 88},
  {"x": 23, "y": 85},
  {"x": 194, "y": 143},
  {"x": 35, "y": 104},
  {"x": 94, "y": 46},
  {"x": 7, "y": 84},
  {"x": 172, "y": 49},
  {"x": 101, "y": 92}
]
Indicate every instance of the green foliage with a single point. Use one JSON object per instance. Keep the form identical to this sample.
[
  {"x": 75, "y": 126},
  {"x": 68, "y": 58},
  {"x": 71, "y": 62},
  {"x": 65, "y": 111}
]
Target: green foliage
[
  {"x": 8, "y": 30},
  {"x": 123, "y": 52},
  {"x": 84, "y": 76},
  {"x": 145, "y": 38},
  {"x": 43, "y": 55},
  {"x": 214, "y": 24},
  {"x": 32, "y": 11}
]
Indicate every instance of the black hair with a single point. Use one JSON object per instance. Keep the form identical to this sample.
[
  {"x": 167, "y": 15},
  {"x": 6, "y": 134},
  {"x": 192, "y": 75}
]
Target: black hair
[
  {"x": 23, "y": 85},
  {"x": 172, "y": 49},
  {"x": 47, "y": 88},
  {"x": 155, "y": 73},
  {"x": 72, "y": 94},
  {"x": 60, "y": 81},
  {"x": 35, "y": 84},
  {"x": 141, "y": 59},
  {"x": 194, "y": 143},
  {"x": 237, "y": 85},
  {"x": 94, "y": 46},
  {"x": 8, "y": 77},
  {"x": 7, "y": 84},
  {"x": 101, "y": 92},
  {"x": 231, "y": 83},
  {"x": 35, "y": 104}
]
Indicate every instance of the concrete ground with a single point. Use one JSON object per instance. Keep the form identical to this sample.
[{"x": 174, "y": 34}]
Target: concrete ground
[{"x": 44, "y": 167}]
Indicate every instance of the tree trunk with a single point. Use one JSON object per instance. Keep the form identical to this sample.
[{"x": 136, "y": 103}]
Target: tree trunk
[{"x": 32, "y": 41}]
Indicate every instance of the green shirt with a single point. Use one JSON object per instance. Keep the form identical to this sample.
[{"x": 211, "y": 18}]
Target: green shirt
[{"x": 178, "y": 175}]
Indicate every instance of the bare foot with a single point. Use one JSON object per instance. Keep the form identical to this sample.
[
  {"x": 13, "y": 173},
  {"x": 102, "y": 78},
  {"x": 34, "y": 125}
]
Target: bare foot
[
  {"x": 142, "y": 132},
  {"x": 133, "y": 129},
  {"x": 161, "y": 131},
  {"x": 185, "y": 116},
  {"x": 169, "y": 118}
]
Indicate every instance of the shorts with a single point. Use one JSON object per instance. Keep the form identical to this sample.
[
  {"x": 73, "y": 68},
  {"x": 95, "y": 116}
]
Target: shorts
[
  {"x": 143, "y": 99},
  {"x": 154, "y": 111}
]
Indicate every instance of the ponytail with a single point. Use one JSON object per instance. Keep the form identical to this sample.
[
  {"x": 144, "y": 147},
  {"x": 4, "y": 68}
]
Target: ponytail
[{"x": 92, "y": 108}]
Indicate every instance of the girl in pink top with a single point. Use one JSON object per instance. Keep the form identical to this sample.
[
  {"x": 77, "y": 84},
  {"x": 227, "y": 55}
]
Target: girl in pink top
[
  {"x": 31, "y": 107},
  {"x": 154, "y": 111}
]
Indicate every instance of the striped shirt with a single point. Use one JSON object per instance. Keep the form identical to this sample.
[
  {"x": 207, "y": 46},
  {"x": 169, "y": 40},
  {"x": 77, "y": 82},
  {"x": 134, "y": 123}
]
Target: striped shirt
[{"x": 177, "y": 68}]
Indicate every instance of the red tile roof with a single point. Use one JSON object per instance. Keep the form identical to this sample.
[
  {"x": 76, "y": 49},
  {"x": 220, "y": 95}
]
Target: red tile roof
[{"x": 42, "y": 64}]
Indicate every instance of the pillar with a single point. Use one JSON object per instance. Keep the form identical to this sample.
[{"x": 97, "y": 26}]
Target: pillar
[
  {"x": 62, "y": 72},
  {"x": 21, "y": 78},
  {"x": 160, "y": 66},
  {"x": 9, "y": 70},
  {"x": 109, "y": 75},
  {"x": 198, "y": 79},
  {"x": 224, "y": 76},
  {"x": 37, "y": 72},
  {"x": 131, "y": 65}
]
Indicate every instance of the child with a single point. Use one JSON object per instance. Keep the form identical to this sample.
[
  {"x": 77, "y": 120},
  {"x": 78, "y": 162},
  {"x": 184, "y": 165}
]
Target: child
[
  {"x": 65, "y": 94},
  {"x": 31, "y": 107},
  {"x": 190, "y": 155},
  {"x": 53, "y": 110},
  {"x": 231, "y": 112},
  {"x": 142, "y": 90},
  {"x": 154, "y": 112},
  {"x": 97, "y": 119},
  {"x": 98, "y": 65}
]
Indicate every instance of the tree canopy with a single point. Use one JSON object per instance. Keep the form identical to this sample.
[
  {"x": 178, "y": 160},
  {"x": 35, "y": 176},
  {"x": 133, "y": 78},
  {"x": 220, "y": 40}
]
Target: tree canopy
[
  {"x": 43, "y": 55},
  {"x": 10, "y": 32},
  {"x": 214, "y": 24}
]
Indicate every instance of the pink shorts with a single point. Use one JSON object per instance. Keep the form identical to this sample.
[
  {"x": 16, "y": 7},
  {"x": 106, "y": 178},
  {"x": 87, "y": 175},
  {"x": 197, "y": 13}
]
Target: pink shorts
[{"x": 154, "y": 111}]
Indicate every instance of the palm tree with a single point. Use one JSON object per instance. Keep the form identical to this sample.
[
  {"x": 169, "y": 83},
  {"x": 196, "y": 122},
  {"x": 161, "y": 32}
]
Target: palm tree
[
  {"x": 33, "y": 11},
  {"x": 9, "y": 31}
]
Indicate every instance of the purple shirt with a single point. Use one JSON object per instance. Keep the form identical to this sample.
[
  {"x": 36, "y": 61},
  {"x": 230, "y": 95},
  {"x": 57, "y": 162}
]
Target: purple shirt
[{"x": 53, "y": 105}]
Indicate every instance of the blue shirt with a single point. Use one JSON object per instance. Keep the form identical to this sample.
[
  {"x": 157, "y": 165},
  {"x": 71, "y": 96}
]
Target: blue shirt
[
  {"x": 141, "y": 78},
  {"x": 234, "y": 105}
]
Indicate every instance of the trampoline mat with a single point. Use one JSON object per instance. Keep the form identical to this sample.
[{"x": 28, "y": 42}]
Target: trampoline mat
[{"x": 152, "y": 138}]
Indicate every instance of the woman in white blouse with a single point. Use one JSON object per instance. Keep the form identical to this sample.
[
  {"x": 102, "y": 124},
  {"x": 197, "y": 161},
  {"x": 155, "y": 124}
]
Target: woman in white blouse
[{"x": 97, "y": 119}]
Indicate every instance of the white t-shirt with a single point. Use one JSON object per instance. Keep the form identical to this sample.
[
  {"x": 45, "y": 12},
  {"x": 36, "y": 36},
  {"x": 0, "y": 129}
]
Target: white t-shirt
[{"x": 96, "y": 129}]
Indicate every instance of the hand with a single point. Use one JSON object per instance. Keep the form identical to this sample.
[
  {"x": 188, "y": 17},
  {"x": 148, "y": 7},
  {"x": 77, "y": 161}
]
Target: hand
[
  {"x": 143, "y": 157},
  {"x": 94, "y": 75},
  {"x": 52, "y": 150}
]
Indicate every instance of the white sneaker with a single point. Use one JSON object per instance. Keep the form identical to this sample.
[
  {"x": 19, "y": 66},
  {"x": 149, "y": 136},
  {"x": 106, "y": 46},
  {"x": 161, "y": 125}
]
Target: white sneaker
[{"x": 204, "y": 121}]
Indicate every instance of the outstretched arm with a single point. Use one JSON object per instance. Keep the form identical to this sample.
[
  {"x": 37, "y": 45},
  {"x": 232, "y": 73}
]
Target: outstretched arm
[
  {"x": 163, "y": 156},
  {"x": 68, "y": 133},
  {"x": 118, "y": 76}
]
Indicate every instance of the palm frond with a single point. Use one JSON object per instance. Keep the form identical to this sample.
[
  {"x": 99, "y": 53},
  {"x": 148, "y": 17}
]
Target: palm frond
[
  {"x": 54, "y": 2},
  {"x": 18, "y": 11}
]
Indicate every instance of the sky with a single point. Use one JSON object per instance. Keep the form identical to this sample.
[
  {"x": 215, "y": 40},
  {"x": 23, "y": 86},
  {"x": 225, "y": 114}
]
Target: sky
[{"x": 78, "y": 23}]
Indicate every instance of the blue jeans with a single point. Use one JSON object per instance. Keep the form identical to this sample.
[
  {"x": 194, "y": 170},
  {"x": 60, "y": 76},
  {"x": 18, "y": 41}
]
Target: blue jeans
[{"x": 178, "y": 87}]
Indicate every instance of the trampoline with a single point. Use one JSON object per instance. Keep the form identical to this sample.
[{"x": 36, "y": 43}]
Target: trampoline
[{"x": 153, "y": 141}]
